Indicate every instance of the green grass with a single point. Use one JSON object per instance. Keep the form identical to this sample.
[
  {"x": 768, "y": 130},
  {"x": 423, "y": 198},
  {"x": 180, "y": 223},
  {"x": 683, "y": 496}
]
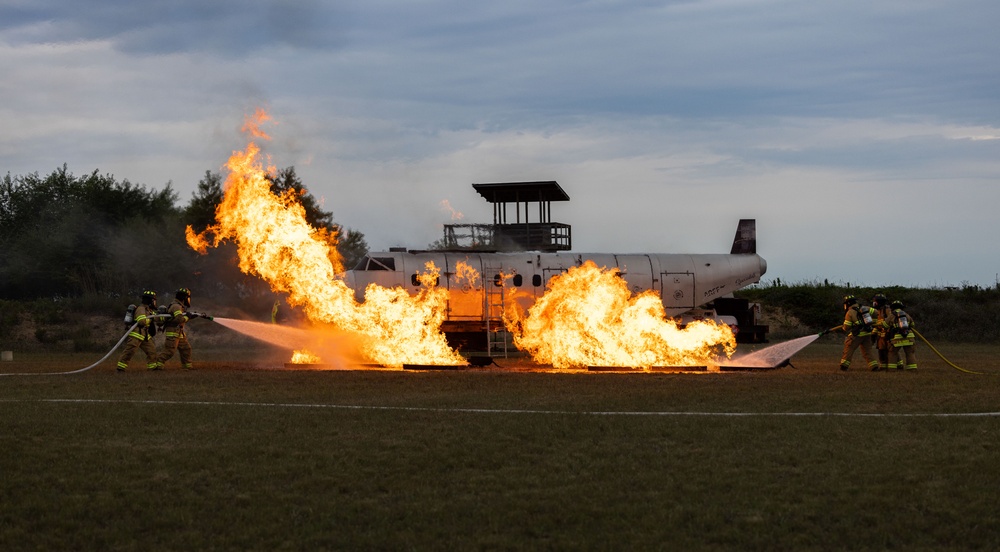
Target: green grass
[{"x": 218, "y": 458}]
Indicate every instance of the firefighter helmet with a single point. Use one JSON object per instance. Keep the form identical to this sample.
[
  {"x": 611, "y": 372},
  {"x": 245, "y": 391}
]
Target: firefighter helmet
[
  {"x": 897, "y": 305},
  {"x": 184, "y": 296},
  {"x": 849, "y": 300},
  {"x": 149, "y": 297},
  {"x": 879, "y": 301}
]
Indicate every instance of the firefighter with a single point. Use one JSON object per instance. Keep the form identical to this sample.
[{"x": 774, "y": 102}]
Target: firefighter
[
  {"x": 901, "y": 354},
  {"x": 173, "y": 328},
  {"x": 880, "y": 330},
  {"x": 141, "y": 335},
  {"x": 858, "y": 327}
]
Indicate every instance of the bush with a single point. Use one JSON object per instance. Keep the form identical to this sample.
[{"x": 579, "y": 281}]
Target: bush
[{"x": 969, "y": 314}]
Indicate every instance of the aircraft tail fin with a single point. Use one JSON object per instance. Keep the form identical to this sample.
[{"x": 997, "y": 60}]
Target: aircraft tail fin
[{"x": 745, "y": 242}]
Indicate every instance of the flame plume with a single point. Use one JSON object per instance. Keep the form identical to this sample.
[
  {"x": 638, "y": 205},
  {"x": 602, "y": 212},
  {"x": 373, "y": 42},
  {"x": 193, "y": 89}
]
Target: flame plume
[
  {"x": 275, "y": 242},
  {"x": 588, "y": 317}
]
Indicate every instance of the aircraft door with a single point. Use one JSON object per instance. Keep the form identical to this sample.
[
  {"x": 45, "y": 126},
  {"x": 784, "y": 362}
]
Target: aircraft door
[
  {"x": 465, "y": 287},
  {"x": 637, "y": 272},
  {"x": 677, "y": 291}
]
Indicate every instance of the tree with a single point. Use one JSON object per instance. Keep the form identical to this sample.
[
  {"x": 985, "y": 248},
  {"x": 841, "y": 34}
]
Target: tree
[
  {"x": 285, "y": 182},
  {"x": 58, "y": 234},
  {"x": 352, "y": 246},
  {"x": 200, "y": 211}
]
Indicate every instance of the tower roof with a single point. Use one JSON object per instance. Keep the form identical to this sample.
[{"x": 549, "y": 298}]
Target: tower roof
[{"x": 521, "y": 192}]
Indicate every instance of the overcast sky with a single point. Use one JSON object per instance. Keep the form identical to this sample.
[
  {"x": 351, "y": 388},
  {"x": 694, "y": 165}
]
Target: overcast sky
[{"x": 864, "y": 136}]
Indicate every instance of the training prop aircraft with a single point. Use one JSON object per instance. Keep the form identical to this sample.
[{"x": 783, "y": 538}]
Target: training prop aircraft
[{"x": 685, "y": 283}]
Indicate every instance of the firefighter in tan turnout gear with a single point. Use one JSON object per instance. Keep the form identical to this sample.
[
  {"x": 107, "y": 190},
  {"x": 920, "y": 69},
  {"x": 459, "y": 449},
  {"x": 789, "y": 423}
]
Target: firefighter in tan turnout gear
[
  {"x": 900, "y": 323},
  {"x": 173, "y": 328},
  {"x": 141, "y": 334},
  {"x": 880, "y": 331},
  {"x": 858, "y": 323}
]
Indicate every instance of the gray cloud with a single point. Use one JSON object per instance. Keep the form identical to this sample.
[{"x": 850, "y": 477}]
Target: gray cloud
[
  {"x": 664, "y": 120},
  {"x": 224, "y": 27}
]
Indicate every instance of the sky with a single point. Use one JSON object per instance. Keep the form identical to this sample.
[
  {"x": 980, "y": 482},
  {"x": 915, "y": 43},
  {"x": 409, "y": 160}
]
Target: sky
[{"x": 863, "y": 136}]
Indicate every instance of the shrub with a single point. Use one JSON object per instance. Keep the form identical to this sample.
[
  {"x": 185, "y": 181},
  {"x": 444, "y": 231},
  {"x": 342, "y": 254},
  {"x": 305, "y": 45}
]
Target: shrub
[{"x": 969, "y": 314}]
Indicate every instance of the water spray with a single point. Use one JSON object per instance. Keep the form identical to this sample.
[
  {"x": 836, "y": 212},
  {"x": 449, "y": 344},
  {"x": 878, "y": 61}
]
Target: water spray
[{"x": 774, "y": 356}]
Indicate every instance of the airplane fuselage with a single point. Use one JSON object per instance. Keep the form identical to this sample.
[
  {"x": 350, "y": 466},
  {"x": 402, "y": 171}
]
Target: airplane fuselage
[{"x": 682, "y": 281}]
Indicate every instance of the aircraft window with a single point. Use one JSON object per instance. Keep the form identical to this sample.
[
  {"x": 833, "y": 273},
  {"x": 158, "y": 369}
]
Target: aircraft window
[
  {"x": 518, "y": 280},
  {"x": 497, "y": 280},
  {"x": 376, "y": 263},
  {"x": 536, "y": 280},
  {"x": 382, "y": 263}
]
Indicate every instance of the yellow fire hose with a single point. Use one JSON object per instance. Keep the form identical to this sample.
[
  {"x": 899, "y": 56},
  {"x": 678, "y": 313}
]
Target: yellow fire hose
[{"x": 948, "y": 362}]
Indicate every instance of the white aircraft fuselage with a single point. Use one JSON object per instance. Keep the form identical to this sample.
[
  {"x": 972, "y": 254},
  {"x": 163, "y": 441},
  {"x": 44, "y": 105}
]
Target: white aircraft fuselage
[{"x": 682, "y": 281}]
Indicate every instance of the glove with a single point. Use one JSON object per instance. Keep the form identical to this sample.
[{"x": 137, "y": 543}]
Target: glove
[
  {"x": 193, "y": 314},
  {"x": 152, "y": 330}
]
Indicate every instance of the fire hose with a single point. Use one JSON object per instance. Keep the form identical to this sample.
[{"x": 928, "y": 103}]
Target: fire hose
[
  {"x": 948, "y": 362},
  {"x": 105, "y": 357}
]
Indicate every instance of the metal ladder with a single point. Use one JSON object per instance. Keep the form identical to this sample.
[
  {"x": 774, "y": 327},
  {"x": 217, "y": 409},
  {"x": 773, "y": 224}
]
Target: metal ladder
[{"x": 496, "y": 332}]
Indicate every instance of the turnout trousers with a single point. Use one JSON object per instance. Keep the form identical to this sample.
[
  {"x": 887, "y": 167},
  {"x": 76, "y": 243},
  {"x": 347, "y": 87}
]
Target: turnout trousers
[
  {"x": 146, "y": 345},
  {"x": 853, "y": 343},
  {"x": 177, "y": 341}
]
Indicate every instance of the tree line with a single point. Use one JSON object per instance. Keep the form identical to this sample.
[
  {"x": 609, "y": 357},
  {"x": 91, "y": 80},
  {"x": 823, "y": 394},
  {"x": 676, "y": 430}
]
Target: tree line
[
  {"x": 63, "y": 235},
  {"x": 964, "y": 314}
]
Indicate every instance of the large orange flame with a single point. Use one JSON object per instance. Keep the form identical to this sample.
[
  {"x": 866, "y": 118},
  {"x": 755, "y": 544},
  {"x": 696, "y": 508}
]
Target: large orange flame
[
  {"x": 275, "y": 242},
  {"x": 588, "y": 317}
]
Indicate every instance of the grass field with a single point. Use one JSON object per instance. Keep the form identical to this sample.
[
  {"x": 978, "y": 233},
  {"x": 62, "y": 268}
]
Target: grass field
[{"x": 244, "y": 455}]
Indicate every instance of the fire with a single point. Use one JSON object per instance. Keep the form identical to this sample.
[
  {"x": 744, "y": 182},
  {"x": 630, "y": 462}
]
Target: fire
[
  {"x": 304, "y": 357},
  {"x": 275, "y": 242},
  {"x": 196, "y": 241},
  {"x": 588, "y": 317},
  {"x": 455, "y": 215}
]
